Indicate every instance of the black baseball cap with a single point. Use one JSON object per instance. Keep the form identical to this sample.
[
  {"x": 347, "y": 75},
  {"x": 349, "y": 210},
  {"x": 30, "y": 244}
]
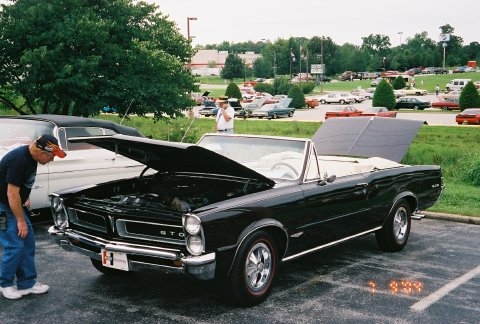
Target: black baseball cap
[{"x": 50, "y": 144}]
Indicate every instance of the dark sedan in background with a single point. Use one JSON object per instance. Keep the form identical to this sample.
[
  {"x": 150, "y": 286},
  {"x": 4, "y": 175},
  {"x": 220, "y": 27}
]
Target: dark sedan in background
[
  {"x": 412, "y": 103},
  {"x": 247, "y": 203}
]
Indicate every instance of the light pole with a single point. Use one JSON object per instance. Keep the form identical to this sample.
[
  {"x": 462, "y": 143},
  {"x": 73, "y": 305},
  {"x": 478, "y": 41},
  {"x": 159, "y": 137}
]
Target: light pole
[
  {"x": 400, "y": 34},
  {"x": 189, "y": 37},
  {"x": 188, "y": 27}
]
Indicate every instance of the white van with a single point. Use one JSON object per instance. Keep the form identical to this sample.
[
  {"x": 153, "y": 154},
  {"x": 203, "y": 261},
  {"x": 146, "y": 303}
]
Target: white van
[{"x": 457, "y": 84}]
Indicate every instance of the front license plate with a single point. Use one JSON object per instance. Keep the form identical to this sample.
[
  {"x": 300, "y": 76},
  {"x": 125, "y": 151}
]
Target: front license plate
[{"x": 116, "y": 260}]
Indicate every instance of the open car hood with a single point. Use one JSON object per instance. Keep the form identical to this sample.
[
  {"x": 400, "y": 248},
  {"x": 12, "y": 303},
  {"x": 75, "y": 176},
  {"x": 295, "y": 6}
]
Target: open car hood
[
  {"x": 173, "y": 156},
  {"x": 388, "y": 138}
]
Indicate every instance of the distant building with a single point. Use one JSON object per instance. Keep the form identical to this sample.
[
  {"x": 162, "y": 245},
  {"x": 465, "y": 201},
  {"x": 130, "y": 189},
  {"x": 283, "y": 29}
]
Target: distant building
[{"x": 211, "y": 62}]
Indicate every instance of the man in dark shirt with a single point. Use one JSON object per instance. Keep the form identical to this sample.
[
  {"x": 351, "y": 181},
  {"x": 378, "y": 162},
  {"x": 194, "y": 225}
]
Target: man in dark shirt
[{"x": 18, "y": 169}]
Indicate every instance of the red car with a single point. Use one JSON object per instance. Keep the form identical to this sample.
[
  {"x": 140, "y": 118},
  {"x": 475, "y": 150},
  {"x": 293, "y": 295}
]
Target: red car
[
  {"x": 311, "y": 102},
  {"x": 346, "y": 111},
  {"x": 470, "y": 116},
  {"x": 447, "y": 104},
  {"x": 378, "y": 111}
]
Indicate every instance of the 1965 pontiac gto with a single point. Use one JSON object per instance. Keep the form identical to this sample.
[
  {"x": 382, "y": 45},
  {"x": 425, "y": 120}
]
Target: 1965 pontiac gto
[{"x": 233, "y": 207}]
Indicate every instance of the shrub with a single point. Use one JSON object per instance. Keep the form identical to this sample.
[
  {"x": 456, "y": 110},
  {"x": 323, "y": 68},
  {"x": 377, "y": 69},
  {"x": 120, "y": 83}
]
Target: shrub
[
  {"x": 399, "y": 83},
  {"x": 282, "y": 85},
  {"x": 264, "y": 87},
  {"x": 469, "y": 98},
  {"x": 298, "y": 99},
  {"x": 233, "y": 91},
  {"x": 308, "y": 87},
  {"x": 384, "y": 96}
]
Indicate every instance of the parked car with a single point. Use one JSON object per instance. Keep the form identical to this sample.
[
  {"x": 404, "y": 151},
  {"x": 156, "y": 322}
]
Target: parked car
[
  {"x": 470, "y": 116},
  {"x": 456, "y": 84},
  {"x": 379, "y": 112},
  {"x": 428, "y": 70},
  {"x": 451, "y": 94},
  {"x": 363, "y": 93},
  {"x": 439, "y": 70},
  {"x": 345, "y": 111},
  {"x": 311, "y": 102},
  {"x": 340, "y": 98},
  {"x": 275, "y": 110},
  {"x": 460, "y": 69},
  {"x": 412, "y": 91},
  {"x": 399, "y": 93},
  {"x": 245, "y": 205},
  {"x": 375, "y": 82},
  {"x": 447, "y": 104},
  {"x": 232, "y": 102},
  {"x": 84, "y": 163},
  {"x": 199, "y": 98},
  {"x": 257, "y": 103},
  {"x": 208, "y": 108},
  {"x": 412, "y": 103}
]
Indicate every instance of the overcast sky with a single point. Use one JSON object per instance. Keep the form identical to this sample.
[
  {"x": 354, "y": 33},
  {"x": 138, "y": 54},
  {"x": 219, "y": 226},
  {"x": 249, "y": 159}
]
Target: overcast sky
[{"x": 344, "y": 21}]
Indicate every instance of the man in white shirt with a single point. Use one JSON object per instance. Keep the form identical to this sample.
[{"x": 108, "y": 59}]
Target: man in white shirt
[{"x": 225, "y": 117}]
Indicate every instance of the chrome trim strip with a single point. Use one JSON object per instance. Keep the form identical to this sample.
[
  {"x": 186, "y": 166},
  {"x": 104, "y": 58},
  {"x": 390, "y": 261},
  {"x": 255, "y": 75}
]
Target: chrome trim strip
[{"x": 330, "y": 244}]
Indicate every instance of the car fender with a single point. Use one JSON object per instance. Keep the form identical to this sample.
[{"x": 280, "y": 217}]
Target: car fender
[
  {"x": 409, "y": 196},
  {"x": 272, "y": 226}
]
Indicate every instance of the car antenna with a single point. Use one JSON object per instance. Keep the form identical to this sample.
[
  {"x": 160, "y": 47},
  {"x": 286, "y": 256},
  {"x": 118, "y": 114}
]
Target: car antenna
[{"x": 125, "y": 114}]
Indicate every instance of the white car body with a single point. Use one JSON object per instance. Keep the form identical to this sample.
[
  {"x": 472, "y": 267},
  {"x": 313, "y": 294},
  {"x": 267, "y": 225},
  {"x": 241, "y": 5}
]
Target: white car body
[
  {"x": 84, "y": 164},
  {"x": 340, "y": 98}
]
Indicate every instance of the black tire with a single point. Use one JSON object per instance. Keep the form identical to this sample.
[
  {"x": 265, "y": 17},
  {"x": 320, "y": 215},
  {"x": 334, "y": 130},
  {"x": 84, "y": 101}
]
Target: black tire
[
  {"x": 97, "y": 264},
  {"x": 323, "y": 102},
  {"x": 274, "y": 116},
  {"x": 415, "y": 107},
  {"x": 290, "y": 114},
  {"x": 395, "y": 231},
  {"x": 254, "y": 269},
  {"x": 342, "y": 102}
]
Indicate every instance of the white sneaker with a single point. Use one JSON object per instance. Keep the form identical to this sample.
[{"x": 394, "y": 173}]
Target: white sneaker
[
  {"x": 11, "y": 292},
  {"x": 38, "y": 288}
]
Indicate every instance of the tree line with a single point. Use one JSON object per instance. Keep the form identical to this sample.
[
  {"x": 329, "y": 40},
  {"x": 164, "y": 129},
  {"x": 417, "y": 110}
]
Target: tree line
[
  {"x": 74, "y": 57},
  {"x": 376, "y": 53}
]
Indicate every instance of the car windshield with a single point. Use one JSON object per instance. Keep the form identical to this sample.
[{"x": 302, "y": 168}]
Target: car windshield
[
  {"x": 275, "y": 158},
  {"x": 16, "y": 132}
]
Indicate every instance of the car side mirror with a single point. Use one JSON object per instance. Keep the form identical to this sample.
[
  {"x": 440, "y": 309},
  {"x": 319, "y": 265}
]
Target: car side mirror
[{"x": 327, "y": 179}]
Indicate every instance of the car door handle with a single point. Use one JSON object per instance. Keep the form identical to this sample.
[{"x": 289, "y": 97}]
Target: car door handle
[{"x": 362, "y": 184}]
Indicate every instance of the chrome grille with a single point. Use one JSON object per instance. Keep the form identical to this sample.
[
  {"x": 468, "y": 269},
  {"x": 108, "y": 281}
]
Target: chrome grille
[
  {"x": 88, "y": 220},
  {"x": 151, "y": 231}
]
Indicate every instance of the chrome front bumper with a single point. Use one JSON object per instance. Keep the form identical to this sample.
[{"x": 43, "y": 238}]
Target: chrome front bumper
[{"x": 201, "y": 267}]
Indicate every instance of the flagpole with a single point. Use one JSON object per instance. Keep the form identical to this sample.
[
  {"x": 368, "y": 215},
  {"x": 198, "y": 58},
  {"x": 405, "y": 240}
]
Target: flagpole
[
  {"x": 291, "y": 57},
  {"x": 300, "y": 65}
]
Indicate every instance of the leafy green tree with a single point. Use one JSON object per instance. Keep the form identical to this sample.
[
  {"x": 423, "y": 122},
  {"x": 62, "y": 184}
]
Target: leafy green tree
[
  {"x": 399, "y": 83},
  {"x": 264, "y": 87},
  {"x": 233, "y": 91},
  {"x": 469, "y": 98},
  {"x": 234, "y": 67},
  {"x": 282, "y": 85},
  {"x": 72, "y": 57},
  {"x": 384, "y": 96},
  {"x": 298, "y": 98},
  {"x": 262, "y": 68}
]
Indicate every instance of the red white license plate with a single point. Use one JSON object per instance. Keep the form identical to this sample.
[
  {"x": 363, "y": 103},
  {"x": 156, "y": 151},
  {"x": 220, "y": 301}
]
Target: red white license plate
[{"x": 116, "y": 260}]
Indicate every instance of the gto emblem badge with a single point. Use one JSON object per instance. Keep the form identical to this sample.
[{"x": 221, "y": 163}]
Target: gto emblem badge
[{"x": 172, "y": 234}]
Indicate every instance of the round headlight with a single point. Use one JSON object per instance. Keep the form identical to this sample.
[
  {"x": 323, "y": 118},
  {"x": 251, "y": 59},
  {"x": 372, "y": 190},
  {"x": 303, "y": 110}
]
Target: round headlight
[
  {"x": 57, "y": 204},
  {"x": 192, "y": 224},
  {"x": 195, "y": 245}
]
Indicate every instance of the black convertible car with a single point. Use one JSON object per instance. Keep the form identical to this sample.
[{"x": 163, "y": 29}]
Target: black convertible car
[{"x": 233, "y": 207}]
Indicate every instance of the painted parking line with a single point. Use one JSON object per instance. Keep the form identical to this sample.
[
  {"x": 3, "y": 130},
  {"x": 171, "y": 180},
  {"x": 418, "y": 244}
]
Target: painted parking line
[{"x": 434, "y": 297}]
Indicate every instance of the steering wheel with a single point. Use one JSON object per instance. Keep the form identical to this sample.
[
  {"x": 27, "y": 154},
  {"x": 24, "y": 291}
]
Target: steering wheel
[{"x": 288, "y": 166}]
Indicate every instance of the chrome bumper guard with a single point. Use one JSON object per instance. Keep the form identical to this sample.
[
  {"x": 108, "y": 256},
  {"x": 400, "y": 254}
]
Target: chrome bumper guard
[{"x": 201, "y": 267}]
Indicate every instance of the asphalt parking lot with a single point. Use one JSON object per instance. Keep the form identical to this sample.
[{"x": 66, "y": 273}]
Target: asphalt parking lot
[
  {"x": 435, "y": 279},
  {"x": 432, "y": 116}
]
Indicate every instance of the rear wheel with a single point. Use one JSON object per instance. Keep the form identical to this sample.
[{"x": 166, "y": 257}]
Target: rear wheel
[
  {"x": 253, "y": 271},
  {"x": 394, "y": 235},
  {"x": 290, "y": 114},
  {"x": 342, "y": 102},
  {"x": 415, "y": 107}
]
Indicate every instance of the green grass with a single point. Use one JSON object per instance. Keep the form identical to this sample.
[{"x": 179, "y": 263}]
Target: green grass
[
  {"x": 455, "y": 149},
  {"x": 429, "y": 82}
]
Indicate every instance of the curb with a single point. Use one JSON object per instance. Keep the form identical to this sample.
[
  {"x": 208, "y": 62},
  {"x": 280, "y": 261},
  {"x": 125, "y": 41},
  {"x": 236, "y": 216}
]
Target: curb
[{"x": 453, "y": 218}]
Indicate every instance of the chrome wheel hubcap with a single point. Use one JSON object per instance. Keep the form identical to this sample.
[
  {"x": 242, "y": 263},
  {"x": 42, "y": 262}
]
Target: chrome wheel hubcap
[{"x": 258, "y": 267}]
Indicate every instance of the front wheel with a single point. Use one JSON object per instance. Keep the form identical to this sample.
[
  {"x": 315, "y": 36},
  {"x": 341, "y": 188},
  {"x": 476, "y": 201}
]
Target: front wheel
[
  {"x": 253, "y": 271},
  {"x": 395, "y": 231}
]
